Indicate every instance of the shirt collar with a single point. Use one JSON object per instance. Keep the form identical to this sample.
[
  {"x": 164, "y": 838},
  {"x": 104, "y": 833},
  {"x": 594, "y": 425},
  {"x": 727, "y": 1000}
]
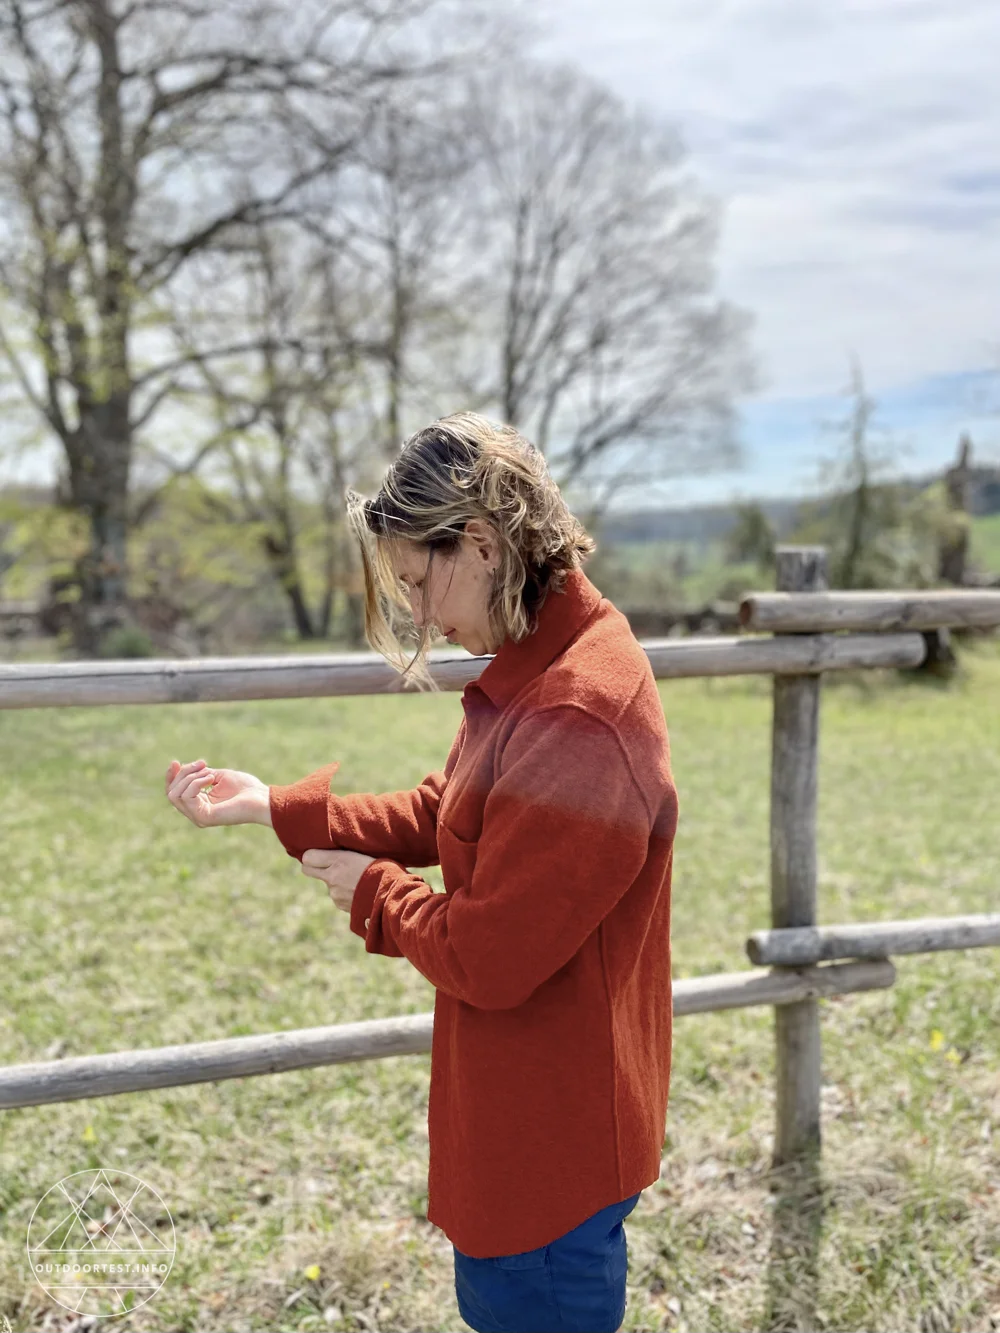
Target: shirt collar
[{"x": 561, "y": 616}]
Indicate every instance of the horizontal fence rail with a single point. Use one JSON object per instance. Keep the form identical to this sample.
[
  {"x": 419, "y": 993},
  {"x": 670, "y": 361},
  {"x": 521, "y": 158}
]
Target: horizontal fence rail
[
  {"x": 802, "y": 946},
  {"x": 273, "y": 1053},
  {"x": 221, "y": 679},
  {"x": 820, "y": 612}
]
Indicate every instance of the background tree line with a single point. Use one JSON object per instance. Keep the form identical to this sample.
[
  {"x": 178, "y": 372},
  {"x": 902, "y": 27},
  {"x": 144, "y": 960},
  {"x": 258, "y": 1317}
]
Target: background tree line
[{"x": 246, "y": 249}]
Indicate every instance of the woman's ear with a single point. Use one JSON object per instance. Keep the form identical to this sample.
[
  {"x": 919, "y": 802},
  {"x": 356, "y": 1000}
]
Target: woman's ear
[{"x": 487, "y": 545}]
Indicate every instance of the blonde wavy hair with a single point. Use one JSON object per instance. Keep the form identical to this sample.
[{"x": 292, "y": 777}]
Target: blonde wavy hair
[{"x": 458, "y": 468}]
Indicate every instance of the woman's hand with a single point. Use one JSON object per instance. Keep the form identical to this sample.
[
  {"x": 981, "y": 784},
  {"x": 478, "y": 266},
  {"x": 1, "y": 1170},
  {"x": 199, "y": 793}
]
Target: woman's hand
[
  {"x": 340, "y": 869},
  {"x": 235, "y": 797}
]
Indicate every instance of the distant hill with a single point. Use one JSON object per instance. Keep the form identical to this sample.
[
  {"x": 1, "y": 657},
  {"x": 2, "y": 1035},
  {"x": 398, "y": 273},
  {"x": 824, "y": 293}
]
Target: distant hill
[
  {"x": 700, "y": 523},
  {"x": 709, "y": 523}
]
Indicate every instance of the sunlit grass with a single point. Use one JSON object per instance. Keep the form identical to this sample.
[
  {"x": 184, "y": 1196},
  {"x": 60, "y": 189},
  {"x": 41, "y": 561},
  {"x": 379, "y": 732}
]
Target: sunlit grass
[{"x": 298, "y": 1198}]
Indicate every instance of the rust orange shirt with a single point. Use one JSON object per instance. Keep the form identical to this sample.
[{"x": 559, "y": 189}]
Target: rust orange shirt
[{"x": 553, "y": 821}]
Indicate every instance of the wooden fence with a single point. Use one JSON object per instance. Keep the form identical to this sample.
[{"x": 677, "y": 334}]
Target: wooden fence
[{"x": 813, "y": 631}]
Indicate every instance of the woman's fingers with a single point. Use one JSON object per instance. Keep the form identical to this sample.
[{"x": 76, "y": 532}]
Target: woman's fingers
[
  {"x": 190, "y": 786},
  {"x": 182, "y": 771},
  {"x": 178, "y": 769},
  {"x": 185, "y": 791}
]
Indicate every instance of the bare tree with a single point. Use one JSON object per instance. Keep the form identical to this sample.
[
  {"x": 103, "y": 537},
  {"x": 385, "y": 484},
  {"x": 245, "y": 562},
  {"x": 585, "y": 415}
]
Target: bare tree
[
  {"x": 593, "y": 268},
  {"x": 137, "y": 137},
  {"x": 861, "y": 515},
  {"x": 858, "y": 470},
  {"x": 355, "y": 313},
  {"x": 401, "y": 225},
  {"x": 338, "y": 301},
  {"x": 413, "y": 290},
  {"x": 263, "y": 404},
  {"x": 287, "y": 413}
]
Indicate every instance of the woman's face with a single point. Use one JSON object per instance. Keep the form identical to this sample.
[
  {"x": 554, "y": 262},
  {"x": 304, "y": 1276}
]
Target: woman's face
[{"x": 456, "y": 586}]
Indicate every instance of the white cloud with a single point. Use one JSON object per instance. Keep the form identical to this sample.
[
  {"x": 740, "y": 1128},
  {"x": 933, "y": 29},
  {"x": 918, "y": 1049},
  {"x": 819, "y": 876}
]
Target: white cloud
[{"x": 854, "y": 146}]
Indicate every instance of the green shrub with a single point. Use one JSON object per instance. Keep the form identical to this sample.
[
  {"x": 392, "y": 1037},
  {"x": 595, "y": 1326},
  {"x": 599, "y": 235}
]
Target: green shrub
[{"x": 126, "y": 641}]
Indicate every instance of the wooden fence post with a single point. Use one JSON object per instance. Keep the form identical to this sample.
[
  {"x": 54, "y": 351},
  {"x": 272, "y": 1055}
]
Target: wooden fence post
[{"x": 794, "y": 757}]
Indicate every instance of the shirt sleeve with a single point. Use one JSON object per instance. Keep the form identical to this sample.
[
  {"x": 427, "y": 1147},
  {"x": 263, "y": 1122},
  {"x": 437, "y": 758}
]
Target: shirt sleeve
[
  {"x": 401, "y": 825},
  {"x": 566, "y": 831}
]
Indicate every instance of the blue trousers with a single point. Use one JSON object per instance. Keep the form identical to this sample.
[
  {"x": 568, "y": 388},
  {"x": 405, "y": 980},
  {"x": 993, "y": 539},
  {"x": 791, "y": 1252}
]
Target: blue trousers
[{"x": 575, "y": 1284}]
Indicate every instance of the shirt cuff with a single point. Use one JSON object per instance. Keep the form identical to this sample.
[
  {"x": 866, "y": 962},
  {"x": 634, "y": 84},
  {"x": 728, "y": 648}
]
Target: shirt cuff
[
  {"x": 300, "y": 814},
  {"x": 374, "y": 882}
]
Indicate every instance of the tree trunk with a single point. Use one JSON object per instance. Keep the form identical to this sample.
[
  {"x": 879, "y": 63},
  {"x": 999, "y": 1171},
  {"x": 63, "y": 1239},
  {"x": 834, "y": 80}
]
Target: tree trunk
[
  {"x": 99, "y": 456},
  {"x": 325, "y": 612},
  {"x": 284, "y": 562},
  {"x": 953, "y": 552},
  {"x": 953, "y": 557},
  {"x": 856, "y": 536},
  {"x": 300, "y": 611}
]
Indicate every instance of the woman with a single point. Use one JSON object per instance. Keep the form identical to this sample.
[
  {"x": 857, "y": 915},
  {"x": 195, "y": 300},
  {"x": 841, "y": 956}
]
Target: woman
[{"x": 553, "y": 822}]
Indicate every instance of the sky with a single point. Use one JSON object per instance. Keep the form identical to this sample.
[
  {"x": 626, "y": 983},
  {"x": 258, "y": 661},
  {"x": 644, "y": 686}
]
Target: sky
[{"x": 854, "y": 148}]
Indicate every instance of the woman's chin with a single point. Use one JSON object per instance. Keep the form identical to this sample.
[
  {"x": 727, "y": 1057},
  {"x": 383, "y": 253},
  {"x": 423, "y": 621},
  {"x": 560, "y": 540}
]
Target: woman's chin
[{"x": 475, "y": 645}]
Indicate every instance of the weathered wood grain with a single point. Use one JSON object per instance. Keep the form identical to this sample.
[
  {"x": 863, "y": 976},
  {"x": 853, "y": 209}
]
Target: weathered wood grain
[
  {"x": 85, "y": 1076},
  {"x": 806, "y": 945},
  {"x": 798, "y": 611},
  {"x": 794, "y": 762},
  {"x": 215, "y": 680}
]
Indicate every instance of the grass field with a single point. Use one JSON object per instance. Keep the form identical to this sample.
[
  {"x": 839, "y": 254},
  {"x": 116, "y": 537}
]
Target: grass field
[
  {"x": 298, "y": 1198},
  {"x": 985, "y": 544}
]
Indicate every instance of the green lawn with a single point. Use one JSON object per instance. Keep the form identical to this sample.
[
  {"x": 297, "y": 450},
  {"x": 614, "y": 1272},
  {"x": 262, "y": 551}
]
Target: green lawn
[
  {"x": 985, "y": 547},
  {"x": 124, "y": 926}
]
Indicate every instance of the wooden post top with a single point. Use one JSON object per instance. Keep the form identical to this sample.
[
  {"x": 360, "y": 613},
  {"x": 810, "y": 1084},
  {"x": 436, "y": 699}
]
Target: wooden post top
[{"x": 802, "y": 569}]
